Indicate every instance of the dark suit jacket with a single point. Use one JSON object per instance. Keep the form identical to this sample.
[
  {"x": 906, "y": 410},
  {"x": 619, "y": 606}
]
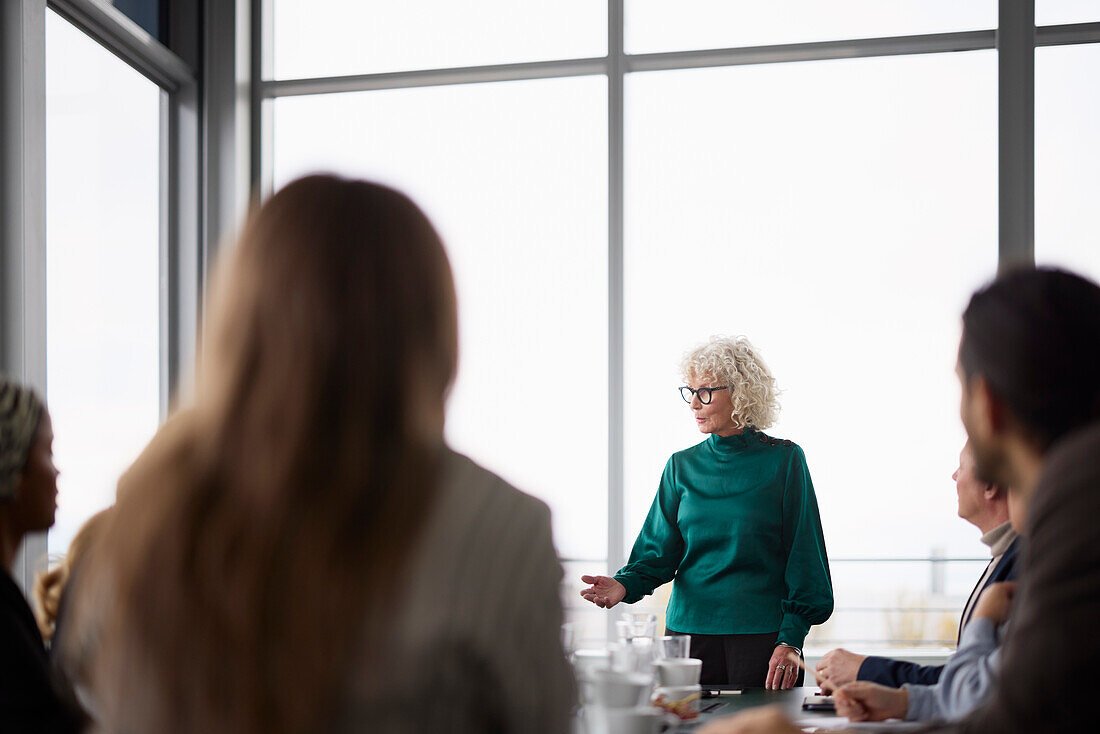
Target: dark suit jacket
[
  {"x": 1053, "y": 630},
  {"x": 28, "y": 702},
  {"x": 893, "y": 673}
]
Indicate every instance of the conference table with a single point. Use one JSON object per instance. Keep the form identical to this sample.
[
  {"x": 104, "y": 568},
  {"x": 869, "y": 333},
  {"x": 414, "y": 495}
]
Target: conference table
[
  {"x": 728, "y": 704},
  {"x": 791, "y": 703}
]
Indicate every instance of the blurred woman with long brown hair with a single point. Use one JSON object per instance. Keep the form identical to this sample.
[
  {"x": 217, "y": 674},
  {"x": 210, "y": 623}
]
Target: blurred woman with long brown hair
[{"x": 299, "y": 551}]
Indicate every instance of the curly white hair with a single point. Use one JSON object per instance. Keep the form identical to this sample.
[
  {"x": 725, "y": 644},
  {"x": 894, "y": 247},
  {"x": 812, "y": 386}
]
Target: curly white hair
[{"x": 735, "y": 362}]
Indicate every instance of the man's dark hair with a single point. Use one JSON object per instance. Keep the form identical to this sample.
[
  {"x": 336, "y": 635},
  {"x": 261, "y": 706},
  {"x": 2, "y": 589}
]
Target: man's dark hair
[{"x": 1034, "y": 335}]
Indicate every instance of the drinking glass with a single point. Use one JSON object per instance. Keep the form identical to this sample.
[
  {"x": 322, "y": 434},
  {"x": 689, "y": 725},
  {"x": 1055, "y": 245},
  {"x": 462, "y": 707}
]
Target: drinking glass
[
  {"x": 633, "y": 656},
  {"x": 567, "y": 640},
  {"x": 673, "y": 646},
  {"x": 641, "y": 624}
]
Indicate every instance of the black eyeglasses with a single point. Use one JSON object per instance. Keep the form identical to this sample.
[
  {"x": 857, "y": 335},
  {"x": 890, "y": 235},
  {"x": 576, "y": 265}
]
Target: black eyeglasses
[{"x": 704, "y": 393}]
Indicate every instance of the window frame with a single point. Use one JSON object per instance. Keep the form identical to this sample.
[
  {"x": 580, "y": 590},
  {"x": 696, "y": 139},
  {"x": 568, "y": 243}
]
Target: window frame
[
  {"x": 1015, "y": 40},
  {"x": 202, "y": 192}
]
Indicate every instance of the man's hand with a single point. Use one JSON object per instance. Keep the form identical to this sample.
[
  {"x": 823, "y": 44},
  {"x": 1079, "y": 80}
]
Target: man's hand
[
  {"x": 762, "y": 720},
  {"x": 866, "y": 701},
  {"x": 604, "y": 592},
  {"x": 837, "y": 668},
  {"x": 995, "y": 602}
]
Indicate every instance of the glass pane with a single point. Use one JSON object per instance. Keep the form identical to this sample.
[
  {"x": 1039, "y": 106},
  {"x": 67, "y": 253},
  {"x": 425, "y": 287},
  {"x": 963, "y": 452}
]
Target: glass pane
[
  {"x": 897, "y": 604},
  {"x": 102, "y": 269},
  {"x": 1067, "y": 157},
  {"x": 659, "y": 25},
  {"x": 839, "y": 214},
  {"x": 1058, "y": 12},
  {"x": 514, "y": 176},
  {"x": 334, "y": 37}
]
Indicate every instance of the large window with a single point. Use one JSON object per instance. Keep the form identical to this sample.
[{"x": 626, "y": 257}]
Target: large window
[
  {"x": 1067, "y": 157},
  {"x": 658, "y": 25},
  {"x": 124, "y": 114},
  {"x": 515, "y": 177},
  {"x": 609, "y": 199},
  {"x": 102, "y": 268},
  {"x": 327, "y": 37},
  {"x": 821, "y": 226}
]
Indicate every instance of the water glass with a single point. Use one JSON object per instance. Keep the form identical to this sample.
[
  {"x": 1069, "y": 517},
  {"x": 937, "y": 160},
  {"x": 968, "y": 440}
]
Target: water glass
[
  {"x": 633, "y": 656},
  {"x": 641, "y": 624},
  {"x": 567, "y": 640},
  {"x": 673, "y": 646}
]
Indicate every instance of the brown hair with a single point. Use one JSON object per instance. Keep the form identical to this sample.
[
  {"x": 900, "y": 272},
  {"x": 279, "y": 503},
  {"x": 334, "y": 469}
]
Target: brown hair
[
  {"x": 50, "y": 585},
  {"x": 260, "y": 535}
]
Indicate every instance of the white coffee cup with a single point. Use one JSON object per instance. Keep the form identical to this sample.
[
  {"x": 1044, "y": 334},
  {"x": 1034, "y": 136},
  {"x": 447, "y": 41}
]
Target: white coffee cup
[
  {"x": 615, "y": 689},
  {"x": 678, "y": 671},
  {"x": 636, "y": 720}
]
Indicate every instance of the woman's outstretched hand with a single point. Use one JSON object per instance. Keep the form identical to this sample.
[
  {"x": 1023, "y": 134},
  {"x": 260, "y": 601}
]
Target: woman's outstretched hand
[{"x": 604, "y": 592}]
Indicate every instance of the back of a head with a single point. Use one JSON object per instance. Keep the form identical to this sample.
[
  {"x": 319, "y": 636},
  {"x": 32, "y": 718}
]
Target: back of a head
[
  {"x": 301, "y": 476},
  {"x": 340, "y": 289},
  {"x": 1034, "y": 335}
]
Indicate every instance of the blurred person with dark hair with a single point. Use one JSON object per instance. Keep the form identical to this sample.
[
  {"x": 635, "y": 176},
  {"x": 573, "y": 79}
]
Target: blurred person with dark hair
[
  {"x": 28, "y": 501},
  {"x": 1029, "y": 363},
  {"x": 299, "y": 551},
  {"x": 983, "y": 505}
]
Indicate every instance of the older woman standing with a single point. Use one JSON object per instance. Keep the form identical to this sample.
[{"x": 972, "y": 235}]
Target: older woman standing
[{"x": 735, "y": 523}]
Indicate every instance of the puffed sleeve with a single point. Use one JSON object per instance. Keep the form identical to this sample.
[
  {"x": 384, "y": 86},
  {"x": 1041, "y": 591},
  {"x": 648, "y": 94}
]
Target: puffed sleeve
[
  {"x": 659, "y": 548},
  {"x": 809, "y": 599}
]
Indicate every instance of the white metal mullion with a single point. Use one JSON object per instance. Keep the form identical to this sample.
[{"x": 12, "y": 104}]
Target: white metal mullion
[
  {"x": 1062, "y": 35},
  {"x": 817, "y": 51},
  {"x": 616, "y": 65},
  {"x": 23, "y": 217},
  {"x": 127, "y": 40},
  {"x": 1016, "y": 133},
  {"x": 435, "y": 77}
]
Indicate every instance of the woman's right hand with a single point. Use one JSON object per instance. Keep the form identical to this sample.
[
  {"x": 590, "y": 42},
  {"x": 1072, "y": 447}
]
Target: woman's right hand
[{"x": 604, "y": 592}]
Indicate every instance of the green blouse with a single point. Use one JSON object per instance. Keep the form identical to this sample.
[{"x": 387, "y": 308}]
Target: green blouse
[{"x": 735, "y": 523}]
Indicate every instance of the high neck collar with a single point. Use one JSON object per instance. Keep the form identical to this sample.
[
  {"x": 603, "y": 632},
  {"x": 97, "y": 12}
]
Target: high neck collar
[
  {"x": 999, "y": 538},
  {"x": 731, "y": 444}
]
